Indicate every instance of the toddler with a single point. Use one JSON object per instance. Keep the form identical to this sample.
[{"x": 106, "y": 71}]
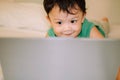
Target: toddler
[{"x": 67, "y": 19}]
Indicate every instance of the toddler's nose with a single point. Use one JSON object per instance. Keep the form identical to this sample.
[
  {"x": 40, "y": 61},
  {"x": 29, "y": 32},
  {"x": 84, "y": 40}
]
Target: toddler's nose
[{"x": 67, "y": 27}]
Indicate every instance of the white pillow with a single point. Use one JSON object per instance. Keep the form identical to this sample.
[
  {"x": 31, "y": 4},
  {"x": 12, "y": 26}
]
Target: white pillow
[{"x": 23, "y": 15}]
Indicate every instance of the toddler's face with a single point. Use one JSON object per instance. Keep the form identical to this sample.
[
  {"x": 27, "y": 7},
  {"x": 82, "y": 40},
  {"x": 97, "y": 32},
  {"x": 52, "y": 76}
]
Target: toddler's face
[{"x": 65, "y": 24}]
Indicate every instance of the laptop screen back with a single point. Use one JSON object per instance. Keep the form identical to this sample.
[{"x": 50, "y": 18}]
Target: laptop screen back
[{"x": 59, "y": 59}]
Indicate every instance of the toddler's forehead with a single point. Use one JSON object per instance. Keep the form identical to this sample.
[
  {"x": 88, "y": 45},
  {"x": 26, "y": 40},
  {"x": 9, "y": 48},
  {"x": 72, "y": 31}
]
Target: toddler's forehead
[
  {"x": 57, "y": 13},
  {"x": 71, "y": 10},
  {"x": 63, "y": 13}
]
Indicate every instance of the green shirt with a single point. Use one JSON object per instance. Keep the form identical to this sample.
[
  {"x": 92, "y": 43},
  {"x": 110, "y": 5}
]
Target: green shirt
[{"x": 85, "y": 32}]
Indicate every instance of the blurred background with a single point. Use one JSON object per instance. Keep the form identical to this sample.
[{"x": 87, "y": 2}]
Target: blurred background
[{"x": 96, "y": 9}]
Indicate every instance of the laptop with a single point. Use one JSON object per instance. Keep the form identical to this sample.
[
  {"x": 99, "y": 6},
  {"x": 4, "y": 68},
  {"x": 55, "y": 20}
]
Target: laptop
[{"x": 59, "y": 58}]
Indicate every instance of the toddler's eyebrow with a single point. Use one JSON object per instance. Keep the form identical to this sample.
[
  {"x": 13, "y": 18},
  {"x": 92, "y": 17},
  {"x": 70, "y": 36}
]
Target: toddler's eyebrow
[
  {"x": 76, "y": 17},
  {"x": 57, "y": 19}
]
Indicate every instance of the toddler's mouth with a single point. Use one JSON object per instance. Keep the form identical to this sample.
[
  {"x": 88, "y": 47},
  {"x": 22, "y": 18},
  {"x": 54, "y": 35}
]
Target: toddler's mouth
[
  {"x": 68, "y": 35},
  {"x": 68, "y": 32}
]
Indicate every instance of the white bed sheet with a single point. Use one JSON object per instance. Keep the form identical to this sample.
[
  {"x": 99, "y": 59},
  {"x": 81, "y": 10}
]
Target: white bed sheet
[
  {"x": 114, "y": 31},
  {"x": 7, "y": 32},
  {"x": 11, "y": 32}
]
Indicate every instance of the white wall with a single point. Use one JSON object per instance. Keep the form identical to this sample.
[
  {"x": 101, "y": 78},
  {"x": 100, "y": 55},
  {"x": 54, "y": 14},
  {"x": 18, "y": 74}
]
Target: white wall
[
  {"x": 100, "y": 8},
  {"x": 7, "y": 0},
  {"x": 39, "y": 1}
]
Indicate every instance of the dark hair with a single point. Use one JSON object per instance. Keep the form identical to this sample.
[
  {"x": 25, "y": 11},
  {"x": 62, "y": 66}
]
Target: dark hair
[{"x": 64, "y": 5}]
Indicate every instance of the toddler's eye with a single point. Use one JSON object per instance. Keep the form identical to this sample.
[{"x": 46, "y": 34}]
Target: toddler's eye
[
  {"x": 59, "y": 22},
  {"x": 73, "y": 21}
]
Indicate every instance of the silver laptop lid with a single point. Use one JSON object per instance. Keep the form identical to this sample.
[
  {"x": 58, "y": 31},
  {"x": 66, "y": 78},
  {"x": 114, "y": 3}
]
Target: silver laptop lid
[{"x": 59, "y": 59}]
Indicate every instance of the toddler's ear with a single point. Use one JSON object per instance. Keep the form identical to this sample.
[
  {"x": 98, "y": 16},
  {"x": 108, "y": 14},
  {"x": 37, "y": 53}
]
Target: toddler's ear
[
  {"x": 47, "y": 17},
  {"x": 83, "y": 18}
]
